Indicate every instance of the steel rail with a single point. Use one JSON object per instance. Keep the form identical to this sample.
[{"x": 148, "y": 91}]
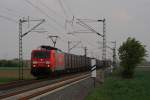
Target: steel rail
[{"x": 14, "y": 93}]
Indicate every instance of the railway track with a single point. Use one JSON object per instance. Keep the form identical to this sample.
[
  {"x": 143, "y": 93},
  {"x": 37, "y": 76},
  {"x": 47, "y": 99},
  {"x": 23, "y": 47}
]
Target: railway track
[
  {"x": 29, "y": 91},
  {"x": 18, "y": 83}
]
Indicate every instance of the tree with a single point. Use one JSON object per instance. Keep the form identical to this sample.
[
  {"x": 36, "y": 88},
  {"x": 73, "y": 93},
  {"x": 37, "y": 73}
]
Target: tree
[{"x": 131, "y": 53}]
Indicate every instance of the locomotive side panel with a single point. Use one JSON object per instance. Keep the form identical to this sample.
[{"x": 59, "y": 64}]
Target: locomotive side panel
[
  {"x": 53, "y": 60},
  {"x": 60, "y": 61}
]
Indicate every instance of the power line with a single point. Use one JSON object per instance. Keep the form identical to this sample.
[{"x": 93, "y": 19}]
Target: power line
[
  {"x": 61, "y": 4},
  {"x": 64, "y": 39},
  {"x": 88, "y": 27},
  {"x": 43, "y": 12},
  {"x": 9, "y": 19},
  {"x": 86, "y": 42},
  {"x": 17, "y": 13},
  {"x": 13, "y": 12},
  {"x": 89, "y": 43},
  {"x": 43, "y": 4},
  {"x": 54, "y": 12},
  {"x": 10, "y": 13},
  {"x": 39, "y": 9},
  {"x": 68, "y": 7},
  {"x": 80, "y": 22}
]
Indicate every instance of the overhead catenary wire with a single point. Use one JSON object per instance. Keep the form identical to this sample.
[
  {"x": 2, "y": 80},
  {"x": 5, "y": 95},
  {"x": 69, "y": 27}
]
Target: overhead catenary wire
[
  {"x": 87, "y": 26},
  {"x": 39, "y": 9},
  {"x": 68, "y": 7},
  {"x": 53, "y": 11},
  {"x": 9, "y": 13},
  {"x": 64, "y": 10},
  {"x": 43, "y": 12},
  {"x": 8, "y": 18},
  {"x": 91, "y": 30},
  {"x": 12, "y": 20},
  {"x": 72, "y": 15},
  {"x": 86, "y": 42},
  {"x": 83, "y": 24},
  {"x": 17, "y": 14},
  {"x": 89, "y": 43},
  {"x": 14, "y": 12}
]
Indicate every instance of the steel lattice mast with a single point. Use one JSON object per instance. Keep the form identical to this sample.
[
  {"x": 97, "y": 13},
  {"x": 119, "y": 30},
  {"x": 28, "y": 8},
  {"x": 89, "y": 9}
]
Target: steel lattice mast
[
  {"x": 21, "y": 35},
  {"x": 104, "y": 41}
]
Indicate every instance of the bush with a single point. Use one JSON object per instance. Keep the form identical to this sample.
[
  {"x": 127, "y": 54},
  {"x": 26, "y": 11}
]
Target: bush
[{"x": 131, "y": 53}]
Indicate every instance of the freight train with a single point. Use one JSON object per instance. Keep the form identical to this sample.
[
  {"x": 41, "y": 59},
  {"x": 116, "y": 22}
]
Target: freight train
[{"x": 48, "y": 60}]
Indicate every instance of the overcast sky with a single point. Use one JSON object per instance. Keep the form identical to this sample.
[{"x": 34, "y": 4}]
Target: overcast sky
[{"x": 124, "y": 18}]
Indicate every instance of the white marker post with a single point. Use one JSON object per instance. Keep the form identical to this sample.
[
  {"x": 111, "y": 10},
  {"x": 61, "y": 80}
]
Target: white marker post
[{"x": 93, "y": 69}]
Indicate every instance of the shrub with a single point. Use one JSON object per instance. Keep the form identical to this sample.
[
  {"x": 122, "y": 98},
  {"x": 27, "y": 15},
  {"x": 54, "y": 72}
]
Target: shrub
[{"x": 131, "y": 53}]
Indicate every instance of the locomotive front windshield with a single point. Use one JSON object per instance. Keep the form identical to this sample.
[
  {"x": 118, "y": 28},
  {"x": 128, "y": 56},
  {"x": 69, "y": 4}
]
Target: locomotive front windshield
[{"x": 41, "y": 54}]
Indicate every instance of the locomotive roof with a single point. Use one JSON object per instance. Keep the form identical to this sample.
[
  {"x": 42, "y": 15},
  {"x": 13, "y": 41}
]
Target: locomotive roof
[{"x": 49, "y": 47}]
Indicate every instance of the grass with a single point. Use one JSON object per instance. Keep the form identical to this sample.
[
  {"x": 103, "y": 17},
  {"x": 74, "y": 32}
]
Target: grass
[
  {"x": 116, "y": 88},
  {"x": 9, "y": 74},
  {"x": 6, "y": 80},
  {"x": 12, "y": 68}
]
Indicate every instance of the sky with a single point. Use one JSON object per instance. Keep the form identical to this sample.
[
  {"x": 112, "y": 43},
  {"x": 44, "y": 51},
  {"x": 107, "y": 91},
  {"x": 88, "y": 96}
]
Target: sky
[{"x": 124, "y": 18}]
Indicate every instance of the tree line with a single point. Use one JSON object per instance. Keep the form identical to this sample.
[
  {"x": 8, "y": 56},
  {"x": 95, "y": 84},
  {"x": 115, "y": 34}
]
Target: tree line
[{"x": 12, "y": 63}]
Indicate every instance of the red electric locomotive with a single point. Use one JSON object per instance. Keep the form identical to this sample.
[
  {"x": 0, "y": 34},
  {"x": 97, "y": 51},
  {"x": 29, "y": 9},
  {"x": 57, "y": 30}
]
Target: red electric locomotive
[{"x": 46, "y": 60}]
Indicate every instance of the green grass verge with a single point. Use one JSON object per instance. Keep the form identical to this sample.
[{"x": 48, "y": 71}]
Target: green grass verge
[
  {"x": 12, "y": 68},
  {"x": 6, "y": 80},
  {"x": 116, "y": 88}
]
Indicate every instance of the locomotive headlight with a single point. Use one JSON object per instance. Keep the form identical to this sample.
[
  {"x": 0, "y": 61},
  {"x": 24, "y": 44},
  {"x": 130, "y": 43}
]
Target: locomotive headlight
[
  {"x": 47, "y": 62},
  {"x": 34, "y": 62},
  {"x": 34, "y": 65}
]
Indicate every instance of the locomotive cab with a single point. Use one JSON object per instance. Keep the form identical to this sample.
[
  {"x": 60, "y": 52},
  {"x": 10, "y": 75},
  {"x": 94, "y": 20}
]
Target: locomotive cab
[
  {"x": 40, "y": 58},
  {"x": 42, "y": 61},
  {"x": 46, "y": 60}
]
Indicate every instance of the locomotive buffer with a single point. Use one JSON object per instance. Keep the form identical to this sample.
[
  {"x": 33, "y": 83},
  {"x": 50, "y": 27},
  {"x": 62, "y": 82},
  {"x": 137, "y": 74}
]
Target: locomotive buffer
[{"x": 93, "y": 70}]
